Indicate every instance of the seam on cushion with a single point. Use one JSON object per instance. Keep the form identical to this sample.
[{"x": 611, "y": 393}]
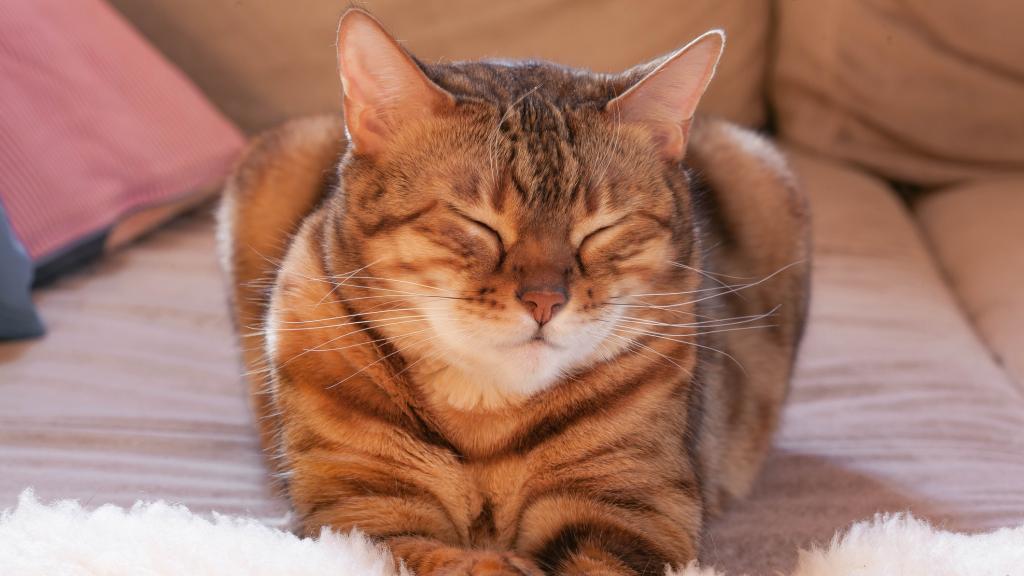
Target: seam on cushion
[{"x": 961, "y": 306}]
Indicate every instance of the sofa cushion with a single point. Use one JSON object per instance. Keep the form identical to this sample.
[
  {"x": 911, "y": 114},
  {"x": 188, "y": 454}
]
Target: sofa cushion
[
  {"x": 266, "y": 62},
  {"x": 896, "y": 405},
  {"x": 95, "y": 125},
  {"x": 918, "y": 91},
  {"x": 977, "y": 233}
]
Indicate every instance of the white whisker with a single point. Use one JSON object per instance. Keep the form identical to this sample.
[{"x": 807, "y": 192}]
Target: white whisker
[
  {"x": 360, "y": 314},
  {"x": 379, "y": 360},
  {"x": 688, "y": 343},
  {"x": 634, "y": 342}
]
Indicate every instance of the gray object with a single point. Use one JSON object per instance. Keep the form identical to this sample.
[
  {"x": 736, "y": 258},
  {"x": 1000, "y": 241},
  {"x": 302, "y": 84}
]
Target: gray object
[{"x": 18, "y": 317}]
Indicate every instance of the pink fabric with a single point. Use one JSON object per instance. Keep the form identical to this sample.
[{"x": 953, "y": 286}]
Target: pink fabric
[{"x": 95, "y": 123}]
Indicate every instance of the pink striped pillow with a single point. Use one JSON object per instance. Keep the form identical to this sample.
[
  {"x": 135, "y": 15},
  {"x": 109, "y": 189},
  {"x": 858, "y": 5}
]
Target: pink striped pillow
[{"x": 95, "y": 125}]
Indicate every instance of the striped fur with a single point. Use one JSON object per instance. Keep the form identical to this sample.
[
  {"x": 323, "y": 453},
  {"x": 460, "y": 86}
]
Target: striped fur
[{"x": 359, "y": 280}]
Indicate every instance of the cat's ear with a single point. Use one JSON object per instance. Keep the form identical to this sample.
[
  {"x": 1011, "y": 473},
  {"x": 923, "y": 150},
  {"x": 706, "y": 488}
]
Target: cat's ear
[
  {"x": 665, "y": 99},
  {"x": 383, "y": 87}
]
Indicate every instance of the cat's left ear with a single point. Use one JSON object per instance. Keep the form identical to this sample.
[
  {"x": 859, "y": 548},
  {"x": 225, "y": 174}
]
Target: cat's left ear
[
  {"x": 384, "y": 88},
  {"x": 665, "y": 99}
]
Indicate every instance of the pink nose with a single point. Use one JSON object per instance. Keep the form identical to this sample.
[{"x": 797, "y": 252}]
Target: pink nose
[{"x": 543, "y": 304}]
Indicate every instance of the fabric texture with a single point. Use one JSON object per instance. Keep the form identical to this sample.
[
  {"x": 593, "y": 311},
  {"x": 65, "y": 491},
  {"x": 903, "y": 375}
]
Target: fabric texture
[
  {"x": 946, "y": 105},
  {"x": 64, "y": 538},
  {"x": 266, "y": 62},
  {"x": 977, "y": 234},
  {"x": 95, "y": 125},
  {"x": 18, "y": 317}
]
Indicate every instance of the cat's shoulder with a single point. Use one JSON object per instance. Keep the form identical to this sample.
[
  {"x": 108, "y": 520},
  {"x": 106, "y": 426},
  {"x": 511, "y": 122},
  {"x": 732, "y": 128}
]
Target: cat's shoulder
[
  {"x": 714, "y": 142},
  {"x": 277, "y": 182},
  {"x": 737, "y": 161},
  {"x": 289, "y": 147}
]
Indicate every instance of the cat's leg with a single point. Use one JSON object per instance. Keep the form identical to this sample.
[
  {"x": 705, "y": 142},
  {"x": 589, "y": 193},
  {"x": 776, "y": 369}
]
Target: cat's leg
[
  {"x": 596, "y": 550},
  {"x": 430, "y": 557},
  {"x": 432, "y": 554},
  {"x": 389, "y": 499},
  {"x": 575, "y": 536},
  {"x": 392, "y": 504}
]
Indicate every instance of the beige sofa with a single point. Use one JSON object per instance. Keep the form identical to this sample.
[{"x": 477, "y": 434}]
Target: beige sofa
[{"x": 910, "y": 389}]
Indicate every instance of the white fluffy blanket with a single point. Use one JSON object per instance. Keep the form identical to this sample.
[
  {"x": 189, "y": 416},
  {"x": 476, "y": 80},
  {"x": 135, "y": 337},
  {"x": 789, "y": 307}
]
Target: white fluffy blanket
[{"x": 162, "y": 540}]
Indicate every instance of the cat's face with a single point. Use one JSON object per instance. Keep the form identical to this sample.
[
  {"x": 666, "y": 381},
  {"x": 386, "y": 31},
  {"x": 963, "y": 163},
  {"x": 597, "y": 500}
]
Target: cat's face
[{"x": 511, "y": 228}]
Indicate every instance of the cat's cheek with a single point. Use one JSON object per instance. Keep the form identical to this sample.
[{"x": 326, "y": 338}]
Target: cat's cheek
[
  {"x": 399, "y": 253},
  {"x": 650, "y": 263}
]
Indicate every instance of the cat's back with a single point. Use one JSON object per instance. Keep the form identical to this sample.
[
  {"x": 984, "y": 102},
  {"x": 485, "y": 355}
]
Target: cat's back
[
  {"x": 281, "y": 176},
  {"x": 755, "y": 230},
  {"x": 279, "y": 180}
]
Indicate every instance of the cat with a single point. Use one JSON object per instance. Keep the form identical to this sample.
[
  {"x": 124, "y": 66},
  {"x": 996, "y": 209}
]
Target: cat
[{"x": 516, "y": 318}]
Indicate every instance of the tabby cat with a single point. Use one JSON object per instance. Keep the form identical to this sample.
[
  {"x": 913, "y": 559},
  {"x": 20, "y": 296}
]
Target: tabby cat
[{"x": 515, "y": 318}]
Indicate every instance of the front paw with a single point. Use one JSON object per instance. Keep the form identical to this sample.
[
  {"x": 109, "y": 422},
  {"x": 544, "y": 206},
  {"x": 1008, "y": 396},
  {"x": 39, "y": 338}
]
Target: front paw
[{"x": 491, "y": 564}]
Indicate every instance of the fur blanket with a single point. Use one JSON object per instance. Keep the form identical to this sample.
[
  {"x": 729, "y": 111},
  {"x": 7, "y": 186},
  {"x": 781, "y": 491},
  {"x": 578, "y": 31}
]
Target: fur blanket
[{"x": 158, "y": 539}]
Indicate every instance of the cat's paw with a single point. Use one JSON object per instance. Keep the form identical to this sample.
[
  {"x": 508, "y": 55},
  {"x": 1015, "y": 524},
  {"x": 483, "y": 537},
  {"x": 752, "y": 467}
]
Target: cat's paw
[{"x": 491, "y": 564}]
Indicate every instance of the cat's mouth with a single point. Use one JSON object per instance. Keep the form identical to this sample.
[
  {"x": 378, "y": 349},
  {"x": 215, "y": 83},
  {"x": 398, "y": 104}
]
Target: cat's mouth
[{"x": 537, "y": 341}]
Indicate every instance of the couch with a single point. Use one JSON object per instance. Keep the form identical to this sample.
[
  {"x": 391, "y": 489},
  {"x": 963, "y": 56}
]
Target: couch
[{"x": 902, "y": 120}]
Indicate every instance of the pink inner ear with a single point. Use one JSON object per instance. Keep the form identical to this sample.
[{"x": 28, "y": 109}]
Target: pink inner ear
[
  {"x": 670, "y": 139},
  {"x": 666, "y": 99},
  {"x": 372, "y": 126},
  {"x": 384, "y": 88}
]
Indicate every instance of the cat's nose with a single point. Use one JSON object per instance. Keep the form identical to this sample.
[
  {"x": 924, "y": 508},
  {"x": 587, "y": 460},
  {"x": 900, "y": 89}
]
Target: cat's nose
[{"x": 544, "y": 303}]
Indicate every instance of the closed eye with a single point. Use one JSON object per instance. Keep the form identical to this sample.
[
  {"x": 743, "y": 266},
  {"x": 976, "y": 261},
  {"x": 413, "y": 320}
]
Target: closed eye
[
  {"x": 594, "y": 233},
  {"x": 484, "y": 227}
]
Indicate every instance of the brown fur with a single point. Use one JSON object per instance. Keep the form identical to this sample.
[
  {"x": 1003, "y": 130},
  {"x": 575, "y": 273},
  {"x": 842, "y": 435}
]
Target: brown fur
[{"x": 616, "y": 467}]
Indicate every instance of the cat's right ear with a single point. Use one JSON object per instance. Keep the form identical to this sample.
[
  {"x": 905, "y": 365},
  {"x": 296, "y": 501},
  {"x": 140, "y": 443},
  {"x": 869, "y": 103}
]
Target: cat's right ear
[{"x": 383, "y": 86}]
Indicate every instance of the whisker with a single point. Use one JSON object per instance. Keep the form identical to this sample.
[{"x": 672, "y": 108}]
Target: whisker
[
  {"x": 694, "y": 291},
  {"x": 361, "y": 314},
  {"x": 364, "y": 287},
  {"x": 319, "y": 347},
  {"x": 406, "y": 282},
  {"x": 734, "y": 289},
  {"x": 634, "y": 341},
  {"x": 436, "y": 354},
  {"x": 698, "y": 333},
  {"x": 709, "y": 274},
  {"x": 338, "y": 325},
  {"x": 379, "y": 360},
  {"x": 403, "y": 292},
  {"x": 385, "y": 339},
  {"x": 695, "y": 344},
  {"x": 347, "y": 276},
  {"x": 377, "y": 297},
  {"x": 714, "y": 322}
]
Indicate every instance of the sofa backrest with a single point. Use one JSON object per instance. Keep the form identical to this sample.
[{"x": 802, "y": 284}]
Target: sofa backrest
[
  {"x": 263, "y": 61},
  {"x": 921, "y": 91}
]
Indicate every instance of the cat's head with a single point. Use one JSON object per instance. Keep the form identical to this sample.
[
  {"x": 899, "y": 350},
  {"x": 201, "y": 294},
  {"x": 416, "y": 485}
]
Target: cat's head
[{"x": 509, "y": 215}]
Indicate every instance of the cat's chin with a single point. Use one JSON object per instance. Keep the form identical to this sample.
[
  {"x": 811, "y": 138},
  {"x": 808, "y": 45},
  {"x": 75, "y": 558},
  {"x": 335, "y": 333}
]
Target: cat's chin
[
  {"x": 505, "y": 366},
  {"x": 508, "y": 377}
]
